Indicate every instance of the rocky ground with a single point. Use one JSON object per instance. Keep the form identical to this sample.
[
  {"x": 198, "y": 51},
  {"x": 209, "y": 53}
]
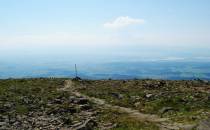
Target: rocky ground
[
  {"x": 51, "y": 104},
  {"x": 185, "y": 102},
  {"x": 36, "y": 104}
]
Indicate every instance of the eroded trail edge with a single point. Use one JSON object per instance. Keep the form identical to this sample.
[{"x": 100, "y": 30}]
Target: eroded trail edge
[{"x": 163, "y": 123}]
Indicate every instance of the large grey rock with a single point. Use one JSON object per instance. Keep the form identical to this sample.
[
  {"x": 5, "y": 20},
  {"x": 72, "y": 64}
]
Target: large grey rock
[{"x": 204, "y": 125}]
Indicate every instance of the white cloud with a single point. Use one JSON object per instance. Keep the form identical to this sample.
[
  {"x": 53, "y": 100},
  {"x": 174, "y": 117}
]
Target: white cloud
[{"x": 123, "y": 21}]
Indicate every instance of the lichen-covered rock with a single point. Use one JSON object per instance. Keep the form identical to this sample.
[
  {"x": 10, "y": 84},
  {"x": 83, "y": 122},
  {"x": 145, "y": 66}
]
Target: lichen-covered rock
[{"x": 204, "y": 125}]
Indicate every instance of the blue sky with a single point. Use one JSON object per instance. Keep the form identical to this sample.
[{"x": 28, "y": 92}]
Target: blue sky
[{"x": 105, "y": 29}]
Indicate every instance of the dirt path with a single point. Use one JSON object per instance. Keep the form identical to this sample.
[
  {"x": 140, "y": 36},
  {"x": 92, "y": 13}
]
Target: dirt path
[{"x": 163, "y": 123}]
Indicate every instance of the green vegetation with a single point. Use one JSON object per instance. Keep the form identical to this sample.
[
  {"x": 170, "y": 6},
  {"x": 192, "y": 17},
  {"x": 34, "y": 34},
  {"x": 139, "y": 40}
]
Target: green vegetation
[
  {"x": 181, "y": 101},
  {"x": 25, "y": 95},
  {"x": 27, "y": 100},
  {"x": 123, "y": 121}
]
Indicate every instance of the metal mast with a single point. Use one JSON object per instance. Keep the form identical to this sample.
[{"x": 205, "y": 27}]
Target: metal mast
[{"x": 75, "y": 70}]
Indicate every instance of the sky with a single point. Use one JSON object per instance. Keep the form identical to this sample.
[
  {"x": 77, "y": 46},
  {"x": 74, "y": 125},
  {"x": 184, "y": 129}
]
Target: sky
[{"x": 104, "y": 30}]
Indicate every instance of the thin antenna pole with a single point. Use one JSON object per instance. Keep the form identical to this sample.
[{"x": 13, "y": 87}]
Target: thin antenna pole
[{"x": 75, "y": 70}]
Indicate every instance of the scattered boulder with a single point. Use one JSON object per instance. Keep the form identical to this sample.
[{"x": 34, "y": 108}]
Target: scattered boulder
[
  {"x": 117, "y": 95},
  {"x": 201, "y": 81},
  {"x": 87, "y": 125},
  {"x": 85, "y": 107},
  {"x": 71, "y": 99},
  {"x": 148, "y": 95},
  {"x": 152, "y": 84},
  {"x": 2, "y": 123},
  {"x": 135, "y": 98},
  {"x": 8, "y": 105},
  {"x": 109, "y": 126},
  {"x": 124, "y": 81},
  {"x": 204, "y": 125},
  {"x": 81, "y": 101},
  {"x": 137, "y": 104},
  {"x": 3, "y": 126},
  {"x": 165, "y": 109}
]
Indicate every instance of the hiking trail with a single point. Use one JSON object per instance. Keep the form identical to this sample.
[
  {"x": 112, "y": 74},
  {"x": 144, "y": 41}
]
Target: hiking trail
[{"x": 163, "y": 123}]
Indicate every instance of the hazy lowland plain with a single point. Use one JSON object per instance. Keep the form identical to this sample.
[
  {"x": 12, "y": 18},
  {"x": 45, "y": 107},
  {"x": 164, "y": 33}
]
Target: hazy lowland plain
[{"x": 173, "y": 70}]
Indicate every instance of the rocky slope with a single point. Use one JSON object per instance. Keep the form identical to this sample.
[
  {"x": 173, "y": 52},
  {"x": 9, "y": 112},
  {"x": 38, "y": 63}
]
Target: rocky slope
[{"x": 51, "y": 104}]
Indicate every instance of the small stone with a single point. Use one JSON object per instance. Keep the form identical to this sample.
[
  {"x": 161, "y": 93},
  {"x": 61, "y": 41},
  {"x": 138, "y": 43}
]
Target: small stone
[
  {"x": 149, "y": 95},
  {"x": 137, "y": 104}
]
